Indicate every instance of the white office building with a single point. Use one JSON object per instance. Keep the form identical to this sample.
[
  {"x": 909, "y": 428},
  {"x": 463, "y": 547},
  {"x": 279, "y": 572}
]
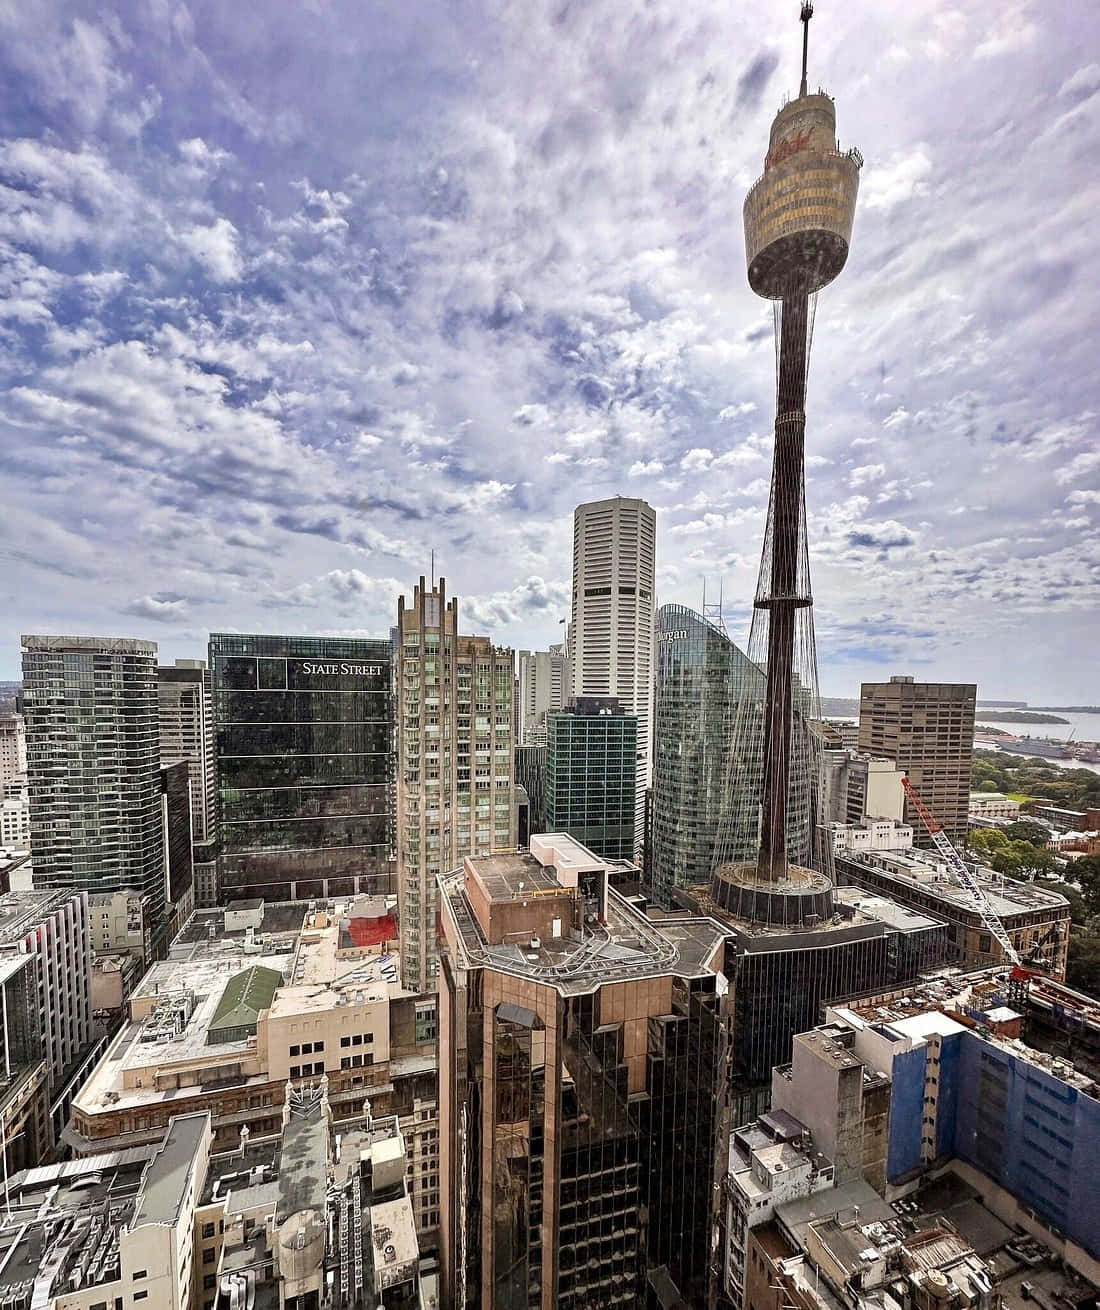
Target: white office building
[{"x": 611, "y": 639}]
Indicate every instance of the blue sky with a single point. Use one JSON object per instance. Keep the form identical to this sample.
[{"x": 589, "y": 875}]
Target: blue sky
[{"x": 295, "y": 293}]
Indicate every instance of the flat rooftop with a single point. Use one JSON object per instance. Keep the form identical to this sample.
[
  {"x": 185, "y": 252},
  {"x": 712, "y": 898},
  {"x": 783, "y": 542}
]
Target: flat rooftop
[
  {"x": 510, "y": 877},
  {"x": 885, "y": 910},
  {"x": 164, "y": 1183},
  {"x": 927, "y": 873}
]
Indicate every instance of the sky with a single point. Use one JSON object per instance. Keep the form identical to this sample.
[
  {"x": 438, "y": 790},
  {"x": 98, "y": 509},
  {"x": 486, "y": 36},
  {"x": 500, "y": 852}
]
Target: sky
[{"x": 292, "y": 295}]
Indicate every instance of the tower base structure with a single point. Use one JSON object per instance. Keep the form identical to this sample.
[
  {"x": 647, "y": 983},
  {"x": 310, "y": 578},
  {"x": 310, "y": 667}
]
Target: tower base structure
[{"x": 802, "y": 898}]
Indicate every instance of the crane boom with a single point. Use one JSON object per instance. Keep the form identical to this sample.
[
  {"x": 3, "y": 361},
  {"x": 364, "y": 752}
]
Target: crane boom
[{"x": 967, "y": 881}]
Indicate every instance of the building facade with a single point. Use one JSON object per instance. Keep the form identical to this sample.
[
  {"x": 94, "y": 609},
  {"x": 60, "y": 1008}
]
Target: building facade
[
  {"x": 455, "y": 771},
  {"x": 611, "y": 635},
  {"x": 304, "y": 766},
  {"x": 13, "y": 750},
  {"x": 531, "y": 776},
  {"x": 591, "y": 774},
  {"x": 927, "y": 729},
  {"x": 93, "y": 764},
  {"x": 581, "y": 1089},
  {"x": 187, "y": 735},
  {"x": 542, "y": 689},
  {"x": 700, "y": 676}
]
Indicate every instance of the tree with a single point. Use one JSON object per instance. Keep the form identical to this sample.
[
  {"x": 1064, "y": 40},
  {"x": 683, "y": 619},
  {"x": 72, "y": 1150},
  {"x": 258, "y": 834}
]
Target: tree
[
  {"x": 1085, "y": 872},
  {"x": 1028, "y": 830},
  {"x": 1083, "y": 962}
]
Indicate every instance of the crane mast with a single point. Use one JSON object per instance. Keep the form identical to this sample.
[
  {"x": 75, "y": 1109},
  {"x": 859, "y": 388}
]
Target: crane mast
[{"x": 959, "y": 868}]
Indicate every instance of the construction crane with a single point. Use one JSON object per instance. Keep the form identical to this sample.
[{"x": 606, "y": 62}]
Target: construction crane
[{"x": 961, "y": 870}]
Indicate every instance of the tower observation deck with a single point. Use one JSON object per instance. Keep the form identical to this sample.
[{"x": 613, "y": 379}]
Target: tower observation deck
[{"x": 798, "y": 225}]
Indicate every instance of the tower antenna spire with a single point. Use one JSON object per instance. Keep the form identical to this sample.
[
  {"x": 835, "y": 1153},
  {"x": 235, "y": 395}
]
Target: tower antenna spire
[{"x": 806, "y": 15}]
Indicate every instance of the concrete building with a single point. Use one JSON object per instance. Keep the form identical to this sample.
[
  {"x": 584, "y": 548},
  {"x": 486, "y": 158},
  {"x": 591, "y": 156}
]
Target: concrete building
[
  {"x": 184, "y": 696},
  {"x": 582, "y": 1059},
  {"x": 45, "y": 968},
  {"x": 860, "y": 787},
  {"x": 253, "y": 996},
  {"x": 871, "y": 835},
  {"x": 93, "y": 764},
  {"x": 455, "y": 766},
  {"x": 13, "y": 750},
  {"x": 991, "y": 805},
  {"x": 591, "y": 773},
  {"x": 293, "y": 1219},
  {"x": 15, "y": 822},
  {"x": 611, "y": 633},
  {"x": 701, "y": 676},
  {"x": 927, "y": 729},
  {"x": 1037, "y": 920},
  {"x": 304, "y": 767},
  {"x": 542, "y": 689}
]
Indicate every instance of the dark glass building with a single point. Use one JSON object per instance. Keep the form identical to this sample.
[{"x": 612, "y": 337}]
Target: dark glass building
[
  {"x": 580, "y": 1090},
  {"x": 701, "y": 675},
  {"x": 305, "y": 766},
  {"x": 531, "y": 776},
  {"x": 591, "y": 769},
  {"x": 176, "y": 790}
]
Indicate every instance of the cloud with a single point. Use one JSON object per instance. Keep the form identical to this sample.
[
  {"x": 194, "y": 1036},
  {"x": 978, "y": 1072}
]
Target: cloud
[
  {"x": 859, "y": 477},
  {"x": 645, "y": 468},
  {"x": 215, "y": 248},
  {"x": 902, "y": 179},
  {"x": 160, "y": 608}
]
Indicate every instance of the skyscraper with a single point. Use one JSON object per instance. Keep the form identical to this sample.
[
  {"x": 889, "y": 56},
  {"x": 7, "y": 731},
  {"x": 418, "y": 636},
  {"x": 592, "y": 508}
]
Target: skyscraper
[
  {"x": 93, "y": 765},
  {"x": 611, "y": 636},
  {"x": 455, "y": 762},
  {"x": 927, "y": 729},
  {"x": 580, "y": 1089},
  {"x": 543, "y": 689},
  {"x": 591, "y": 775},
  {"x": 700, "y": 677},
  {"x": 187, "y": 734},
  {"x": 304, "y": 766},
  {"x": 13, "y": 751}
]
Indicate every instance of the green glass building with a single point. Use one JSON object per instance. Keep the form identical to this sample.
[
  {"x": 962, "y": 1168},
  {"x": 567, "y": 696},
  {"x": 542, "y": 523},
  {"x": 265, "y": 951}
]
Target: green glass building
[
  {"x": 591, "y": 765},
  {"x": 701, "y": 676}
]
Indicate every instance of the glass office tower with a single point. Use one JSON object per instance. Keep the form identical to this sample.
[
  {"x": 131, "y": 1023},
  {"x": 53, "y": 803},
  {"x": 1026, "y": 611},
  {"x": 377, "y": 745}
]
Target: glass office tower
[
  {"x": 700, "y": 677},
  {"x": 591, "y": 769},
  {"x": 305, "y": 766}
]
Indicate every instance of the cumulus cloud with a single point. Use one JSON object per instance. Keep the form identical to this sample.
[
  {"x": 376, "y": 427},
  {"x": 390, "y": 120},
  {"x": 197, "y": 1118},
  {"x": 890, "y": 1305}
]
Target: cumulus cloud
[
  {"x": 161, "y": 608},
  {"x": 215, "y": 247}
]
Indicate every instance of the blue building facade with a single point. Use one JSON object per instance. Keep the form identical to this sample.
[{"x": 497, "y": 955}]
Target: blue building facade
[{"x": 1031, "y": 1131}]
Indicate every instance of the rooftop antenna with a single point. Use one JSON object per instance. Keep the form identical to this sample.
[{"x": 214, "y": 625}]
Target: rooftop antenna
[
  {"x": 433, "y": 568},
  {"x": 712, "y": 613},
  {"x": 806, "y": 15}
]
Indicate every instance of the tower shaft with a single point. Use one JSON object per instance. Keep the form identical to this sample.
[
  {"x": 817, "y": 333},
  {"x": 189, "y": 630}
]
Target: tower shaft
[{"x": 783, "y": 597}]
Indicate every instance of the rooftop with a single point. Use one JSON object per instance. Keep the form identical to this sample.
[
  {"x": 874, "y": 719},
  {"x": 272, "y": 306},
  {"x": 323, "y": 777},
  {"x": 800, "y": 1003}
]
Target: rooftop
[
  {"x": 164, "y": 1182},
  {"x": 621, "y": 946},
  {"x": 926, "y": 872},
  {"x": 885, "y": 910},
  {"x": 20, "y": 912}
]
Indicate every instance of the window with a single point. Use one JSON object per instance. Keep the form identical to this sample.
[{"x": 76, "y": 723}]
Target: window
[
  {"x": 140, "y": 1273},
  {"x": 295, "y": 1071},
  {"x": 296, "y": 1050},
  {"x": 141, "y": 1296},
  {"x": 208, "y": 1230},
  {"x": 345, "y": 1041},
  {"x": 208, "y": 1281},
  {"x": 318, "y": 1047},
  {"x": 209, "y": 1256}
]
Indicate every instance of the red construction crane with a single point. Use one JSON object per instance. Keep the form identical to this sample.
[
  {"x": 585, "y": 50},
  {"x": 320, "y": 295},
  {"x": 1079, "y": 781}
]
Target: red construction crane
[{"x": 962, "y": 872}]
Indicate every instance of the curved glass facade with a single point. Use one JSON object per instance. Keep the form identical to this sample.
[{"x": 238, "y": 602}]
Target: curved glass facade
[
  {"x": 304, "y": 765},
  {"x": 701, "y": 675}
]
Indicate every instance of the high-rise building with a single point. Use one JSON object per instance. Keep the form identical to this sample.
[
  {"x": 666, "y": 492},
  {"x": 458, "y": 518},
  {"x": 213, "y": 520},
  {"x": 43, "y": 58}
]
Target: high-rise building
[
  {"x": 13, "y": 751},
  {"x": 927, "y": 729},
  {"x": 304, "y": 766},
  {"x": 187, "y": 734},
  {"x": 582, "y": 1062},
  {"x": 176, "y": 794},
  {"x": 46, "y": 969},
  {"x": 455, "y": 768},
  {"x": 701, "y": 675},
  {"x": 542, "y": 689},
  {"x": 611, "y": 635},
  {"x": 591, "y": 775},
  {"x": 531, "y": 776},
  {"x": 93, "y": 764}
]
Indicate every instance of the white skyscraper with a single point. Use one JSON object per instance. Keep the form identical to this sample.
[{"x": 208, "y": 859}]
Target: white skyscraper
[{"x": 611, "y": 646}]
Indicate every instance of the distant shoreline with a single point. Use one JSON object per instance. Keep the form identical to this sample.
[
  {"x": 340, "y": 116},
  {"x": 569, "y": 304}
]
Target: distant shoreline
[{"x": 1017, "y": 716}]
